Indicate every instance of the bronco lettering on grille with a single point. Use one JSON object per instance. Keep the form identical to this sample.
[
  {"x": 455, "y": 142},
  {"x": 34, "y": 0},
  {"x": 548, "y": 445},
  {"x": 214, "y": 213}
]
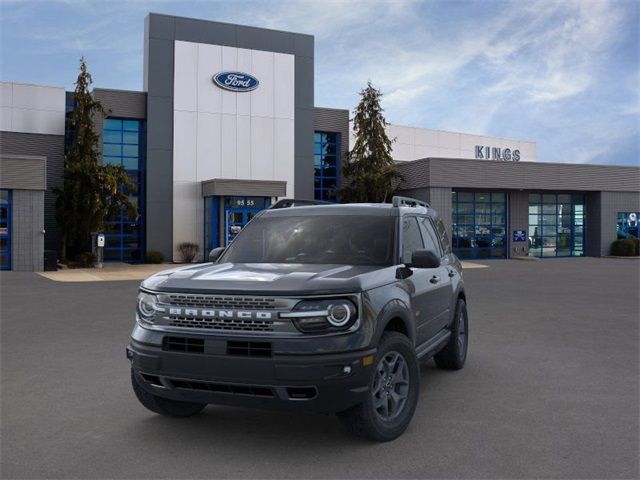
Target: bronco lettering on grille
[{"x": 235, "y": 314}]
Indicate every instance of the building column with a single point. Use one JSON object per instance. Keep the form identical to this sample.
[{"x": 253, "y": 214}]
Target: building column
[
  {"x": 439, "y": 198},
  {"x": 518, "y": 205}
]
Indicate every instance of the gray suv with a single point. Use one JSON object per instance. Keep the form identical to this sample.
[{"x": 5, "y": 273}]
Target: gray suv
[{"x": 324, "y": 308}]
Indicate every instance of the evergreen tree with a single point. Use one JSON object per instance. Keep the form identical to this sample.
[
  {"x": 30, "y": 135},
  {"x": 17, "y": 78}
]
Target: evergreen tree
[
  {"x": 91, "y": 191},
  {"x": 369, "y": 171}
]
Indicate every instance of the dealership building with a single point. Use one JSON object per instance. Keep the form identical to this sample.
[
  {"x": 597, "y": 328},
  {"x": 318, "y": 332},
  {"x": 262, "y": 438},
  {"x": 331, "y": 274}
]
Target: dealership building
[{"x": 226, "y": 124}]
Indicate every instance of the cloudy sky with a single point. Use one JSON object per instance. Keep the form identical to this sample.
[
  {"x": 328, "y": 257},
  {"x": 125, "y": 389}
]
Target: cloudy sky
[{"x": 565, "y": 74}]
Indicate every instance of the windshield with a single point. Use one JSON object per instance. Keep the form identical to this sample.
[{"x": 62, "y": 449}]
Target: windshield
[{"x": 340, "y": 239}]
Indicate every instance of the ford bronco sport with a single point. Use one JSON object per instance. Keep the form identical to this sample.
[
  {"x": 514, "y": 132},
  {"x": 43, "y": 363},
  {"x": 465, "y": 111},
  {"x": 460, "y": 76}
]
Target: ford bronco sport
[{"x": 323, "y": 308}]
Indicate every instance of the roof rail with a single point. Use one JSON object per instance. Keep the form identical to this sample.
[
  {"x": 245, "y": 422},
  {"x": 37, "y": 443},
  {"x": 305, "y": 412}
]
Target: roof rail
[
  {"x": 408, "y": 202},
  {"x": 293, "y": 202}
]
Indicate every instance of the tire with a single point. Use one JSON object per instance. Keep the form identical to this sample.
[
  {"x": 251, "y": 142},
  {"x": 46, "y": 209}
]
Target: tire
[
  {"x": 454, "y": 354},
  {"x": 164, "y": 406},
  {"x": 367, "y": 420}
]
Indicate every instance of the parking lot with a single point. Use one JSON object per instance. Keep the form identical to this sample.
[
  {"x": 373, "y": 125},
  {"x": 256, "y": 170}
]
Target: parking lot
[{"x": 550, "y": 390}]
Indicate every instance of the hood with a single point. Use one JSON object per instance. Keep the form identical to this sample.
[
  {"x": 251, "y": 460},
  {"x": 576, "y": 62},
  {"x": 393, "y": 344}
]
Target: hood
[{"x": 270, "y": 279}]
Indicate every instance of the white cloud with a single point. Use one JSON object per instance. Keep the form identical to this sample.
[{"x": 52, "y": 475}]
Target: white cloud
[
  {"x": 555, "y": 56},
  {"x": 536, "y": 70}
]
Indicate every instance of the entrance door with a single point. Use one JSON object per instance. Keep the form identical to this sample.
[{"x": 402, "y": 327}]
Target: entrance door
[
  {"x": 238, "y": 211},
  {"x": 5, "y": 229},
  {"x": 235, "y": 221}
]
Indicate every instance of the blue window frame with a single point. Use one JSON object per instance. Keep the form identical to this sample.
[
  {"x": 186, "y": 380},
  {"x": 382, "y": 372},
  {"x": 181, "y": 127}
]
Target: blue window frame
[
  {"x": 556, "y": 225},
  {"x": 479, "y": 221},
  {"x": 68, "y": 131},
  {"x": 326, "y": 164},
  {"x": 211, "y": 224},
  {"x": 5, "y": 229},
  {"x": 124, "y": 144}
]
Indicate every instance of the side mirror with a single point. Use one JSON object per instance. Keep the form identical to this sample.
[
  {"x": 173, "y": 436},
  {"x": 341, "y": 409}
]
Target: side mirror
[
  {"x": 424, "y": 259},
  {"x": 214, "y": 254}
]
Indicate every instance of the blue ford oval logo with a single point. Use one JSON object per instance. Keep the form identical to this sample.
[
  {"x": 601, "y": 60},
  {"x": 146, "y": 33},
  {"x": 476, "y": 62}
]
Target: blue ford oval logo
[{"x": 236, "y": 81}]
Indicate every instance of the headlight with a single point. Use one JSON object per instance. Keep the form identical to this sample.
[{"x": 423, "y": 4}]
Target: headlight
[
  {"x": 318, "y": 316},
  {"x": 147, "y": 305},
  {"x": 340, "y": 314}
]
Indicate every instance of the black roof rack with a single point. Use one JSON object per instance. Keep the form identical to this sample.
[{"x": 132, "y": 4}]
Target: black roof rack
[
  {"x": 293, "y": 202},
  {"x": 408, "y": 202}
]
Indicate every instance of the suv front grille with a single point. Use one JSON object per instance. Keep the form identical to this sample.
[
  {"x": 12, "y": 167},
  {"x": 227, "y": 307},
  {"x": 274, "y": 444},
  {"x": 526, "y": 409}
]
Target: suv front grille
[
  {"x": 218, "y": 301},
  {"x": 222, "y": 324},
  {"x": 221, "y": 314},
  {"x": 182, "y": 344},
  {"x": 249, "y": 349}
]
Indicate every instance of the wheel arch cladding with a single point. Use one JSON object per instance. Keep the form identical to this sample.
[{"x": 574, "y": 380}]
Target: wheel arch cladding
[{"x": 396, "y": 317}]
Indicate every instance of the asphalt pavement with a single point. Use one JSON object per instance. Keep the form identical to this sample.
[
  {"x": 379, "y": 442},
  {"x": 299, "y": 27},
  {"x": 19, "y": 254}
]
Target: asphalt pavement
[{"x": 550, "y": 390}]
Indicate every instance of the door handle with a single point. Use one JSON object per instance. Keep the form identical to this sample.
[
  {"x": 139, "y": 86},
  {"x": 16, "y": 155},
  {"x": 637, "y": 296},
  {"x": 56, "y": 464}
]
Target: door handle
[
  {"x": 435, "y": 279},
  {"x": 452, "y": 273}
]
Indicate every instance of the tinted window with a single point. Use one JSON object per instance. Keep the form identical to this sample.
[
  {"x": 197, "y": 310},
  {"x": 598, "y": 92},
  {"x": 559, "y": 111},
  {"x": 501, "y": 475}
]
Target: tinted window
[
  {"x": 411, "y": 238},
  {"x": 444, "y": 239},
  {"x": 430, "y": 237},
  {"x": 348, "y": 239}
]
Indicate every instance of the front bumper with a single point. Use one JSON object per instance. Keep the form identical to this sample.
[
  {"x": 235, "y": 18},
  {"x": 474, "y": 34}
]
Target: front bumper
[{"x": 326, "y": 383}]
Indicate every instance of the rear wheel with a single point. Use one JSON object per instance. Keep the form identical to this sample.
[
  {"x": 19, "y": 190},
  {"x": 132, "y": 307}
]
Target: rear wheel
[
  {"x": 164, "y": 406},
  {"x": 454, "y": 354},
  {"x": 393, "y": 392}
]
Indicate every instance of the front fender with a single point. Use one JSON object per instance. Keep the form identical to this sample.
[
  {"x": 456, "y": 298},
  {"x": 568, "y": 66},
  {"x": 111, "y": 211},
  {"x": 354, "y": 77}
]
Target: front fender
[{"x": 377, "y": 300}]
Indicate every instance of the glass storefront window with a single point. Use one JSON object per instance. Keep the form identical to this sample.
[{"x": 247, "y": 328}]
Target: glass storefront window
[
  {"x": 5, "y": 229},
  {"x": 326, "y": 162},
  {"x": 124, "y": 144},
  {"x": 479, "y": 222},
  {"x": 556, "y": 225},
  {"x": 627, "y": 225}
]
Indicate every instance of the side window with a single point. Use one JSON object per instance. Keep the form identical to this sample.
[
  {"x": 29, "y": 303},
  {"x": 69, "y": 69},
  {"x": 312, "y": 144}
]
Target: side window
[
  {"x": 429, "y": 235},
  {"x": 411, "y": 238},
  {"x": 444, "y": 239}
]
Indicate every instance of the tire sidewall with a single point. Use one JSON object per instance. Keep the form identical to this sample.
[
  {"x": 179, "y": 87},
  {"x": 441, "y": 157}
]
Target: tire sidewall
[
  {"x": 461, "y": 309},
  {"x": 390, "y": 429}
]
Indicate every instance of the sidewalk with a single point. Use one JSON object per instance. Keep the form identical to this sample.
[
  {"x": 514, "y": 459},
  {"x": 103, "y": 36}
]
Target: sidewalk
[
  {"x": 110, "y": 272},
  {"x": 470, "y": 265}
]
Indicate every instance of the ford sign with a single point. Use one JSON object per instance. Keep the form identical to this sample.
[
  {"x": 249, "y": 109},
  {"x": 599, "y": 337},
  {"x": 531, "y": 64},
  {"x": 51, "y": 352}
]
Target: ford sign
[{"x": 236, "y": 81}]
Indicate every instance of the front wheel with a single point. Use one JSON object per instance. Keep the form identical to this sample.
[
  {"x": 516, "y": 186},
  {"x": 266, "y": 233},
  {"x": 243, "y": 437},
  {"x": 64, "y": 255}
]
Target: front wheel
[
  {"x": 164, "y": 406},
  {"x": 454, "y": 354},
  {"x": 393, "y": 392}
]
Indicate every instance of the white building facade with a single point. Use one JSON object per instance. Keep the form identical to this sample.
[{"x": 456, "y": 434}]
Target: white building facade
[{"x": 414, "y": 143}]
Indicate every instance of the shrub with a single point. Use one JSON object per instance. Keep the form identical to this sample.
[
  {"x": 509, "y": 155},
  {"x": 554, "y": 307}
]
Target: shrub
[
  {"x": 154, "y": 256},
  {"x": 188, "y": 251},
  {"x": 623, "y": 248},
  {"x": 86, "y": 260},
  {"x": 636, "y": 242}
]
